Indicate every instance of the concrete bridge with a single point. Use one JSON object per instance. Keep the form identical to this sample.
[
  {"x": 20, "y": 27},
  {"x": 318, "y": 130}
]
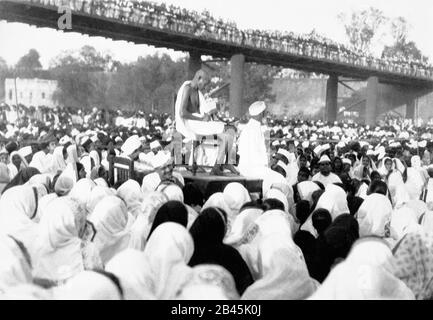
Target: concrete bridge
[{"x": 46, "y": 15}]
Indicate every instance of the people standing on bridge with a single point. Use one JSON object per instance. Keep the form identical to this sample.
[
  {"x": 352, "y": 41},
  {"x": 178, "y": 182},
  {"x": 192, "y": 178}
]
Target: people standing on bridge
[{"x": 193, "y": 119}]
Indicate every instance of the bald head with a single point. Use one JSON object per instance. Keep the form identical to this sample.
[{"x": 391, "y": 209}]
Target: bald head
[{"x": 201, "y": 79}]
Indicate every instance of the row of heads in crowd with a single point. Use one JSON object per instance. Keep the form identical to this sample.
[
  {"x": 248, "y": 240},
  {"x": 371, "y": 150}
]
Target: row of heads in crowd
[{"x": 171, "y": 241}]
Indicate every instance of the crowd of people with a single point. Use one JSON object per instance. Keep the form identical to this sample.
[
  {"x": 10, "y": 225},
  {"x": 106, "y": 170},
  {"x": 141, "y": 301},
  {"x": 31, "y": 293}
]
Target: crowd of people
[
  {"x": 346, "y": 213},
  {"x": 204, "y": 25}
]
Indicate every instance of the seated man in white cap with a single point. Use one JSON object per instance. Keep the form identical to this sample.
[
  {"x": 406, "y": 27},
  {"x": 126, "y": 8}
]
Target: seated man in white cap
[
  {"x": 325, "y": 176},
  {"x": 193, "y": 119},
  {"x": 253, "y": 158}
]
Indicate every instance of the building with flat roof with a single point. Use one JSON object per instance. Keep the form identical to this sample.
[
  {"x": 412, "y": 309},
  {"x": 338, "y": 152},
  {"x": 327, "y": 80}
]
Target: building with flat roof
[{"x": 30, "y": 92}]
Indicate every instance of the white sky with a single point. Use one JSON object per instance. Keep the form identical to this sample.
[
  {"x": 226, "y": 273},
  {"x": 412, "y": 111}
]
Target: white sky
[{"x": 299, "y": 16}]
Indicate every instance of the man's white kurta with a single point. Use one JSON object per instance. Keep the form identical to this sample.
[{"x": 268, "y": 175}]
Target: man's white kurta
[{"x": 253, "y": 159}]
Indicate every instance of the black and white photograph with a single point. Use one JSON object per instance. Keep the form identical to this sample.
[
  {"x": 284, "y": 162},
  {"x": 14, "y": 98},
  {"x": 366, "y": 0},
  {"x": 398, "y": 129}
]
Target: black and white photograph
[{"x": 231, "y": 151}]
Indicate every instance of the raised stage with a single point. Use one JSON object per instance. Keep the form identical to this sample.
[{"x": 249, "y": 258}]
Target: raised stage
[{"x": 210, "y": 184}]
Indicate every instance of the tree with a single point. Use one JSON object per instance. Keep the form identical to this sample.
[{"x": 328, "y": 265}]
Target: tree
[
  {"x": 29, "y": 64},
  {"x": 258, "y": 80},
  {"x": 81, "y": 77},
  {"x": 362, "y": 27},
  {"x": 4, "y": 73},
  {"x": 402, "y": 48}
]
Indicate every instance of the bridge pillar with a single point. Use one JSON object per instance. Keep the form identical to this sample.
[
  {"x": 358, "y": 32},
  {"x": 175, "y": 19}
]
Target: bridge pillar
[
  {"x": 372, "y": 99},
  {"x": 236, "y": 85},
  {"x": 332, "y": 98},
  {"x": 410, "y": 109},
  {"x": 194, "y": 63}
]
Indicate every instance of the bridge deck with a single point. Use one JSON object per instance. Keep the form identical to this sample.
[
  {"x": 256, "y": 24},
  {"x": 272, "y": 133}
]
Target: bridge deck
[{"x": 94, "y": 25}]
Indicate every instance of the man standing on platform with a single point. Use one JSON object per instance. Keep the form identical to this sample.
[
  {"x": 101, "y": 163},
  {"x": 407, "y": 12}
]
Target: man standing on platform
[
  {"x": 253, "y": 158},
  {"x": 193, "y": 119}
]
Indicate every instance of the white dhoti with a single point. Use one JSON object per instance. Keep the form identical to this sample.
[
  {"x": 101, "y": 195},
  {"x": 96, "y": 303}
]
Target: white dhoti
[
  {"x": 191, "y": 129},
  {"x": 204, "y": 128}
]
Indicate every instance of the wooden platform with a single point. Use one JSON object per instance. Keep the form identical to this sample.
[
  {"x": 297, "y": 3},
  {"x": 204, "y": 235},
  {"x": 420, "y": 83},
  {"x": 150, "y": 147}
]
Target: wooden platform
[{"x": 210, "y": 184}]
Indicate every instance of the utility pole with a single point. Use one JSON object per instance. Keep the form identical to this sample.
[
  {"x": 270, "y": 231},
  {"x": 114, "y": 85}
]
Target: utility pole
[{"x": 16, "y": 97}]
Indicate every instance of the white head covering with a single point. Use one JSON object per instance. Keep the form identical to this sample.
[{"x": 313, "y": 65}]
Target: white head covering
[
  {"x": 217, "y": 200},
  {"x": 209, "y": 282},
  {"x": 26, "y": 292},
  {"x": 368, "y": 273},
  {"x": 43, "y": 179},
  {"x": 64, "y": 185},
  {"x": 112, "y": 224},
  {"x": 43, "y": 202},
  {"x": 18, "y": 208},
  {"x": 14, "y": 267},
  {"x": 241, "y": 225},
  {"x": 306, "y": 190},
  {"x": 88, "y": 285},
  {"x": 403, "y": 220},
  {"x": 276, "y": 263},
  {"x": 131, "y": 267},
  {"x": 172, "y": 191},
  {"x": 82, "y": 190},
  {"x": 256, "y": 108},
  {"x": 150, "y": 182},
  {"x": 25, "y": 151},
  {"x": 235, "y": 196},
  {"x": 373, "y": 214},
  {"x": 131, "y": 144},
  {"x": 97, "y": 194},
  {"x": 146, "y": 212},
  {"x": 101, "y": 182},
  {"x": 130, "y": 192},
  {"x": 59, "y": 246},
  {"x": 324, "y": 158},
  {"x": 168, "y": 251},
  {"x": 277, "y": 194},
  {"x": 58, "y": 162},
  {"x": 39, "y": 161},
  {"x": 334, "y": 199}
]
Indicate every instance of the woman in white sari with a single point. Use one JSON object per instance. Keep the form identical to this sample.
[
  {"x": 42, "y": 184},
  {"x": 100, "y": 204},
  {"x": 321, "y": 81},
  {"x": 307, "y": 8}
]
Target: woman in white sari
[
  {"x": 112, "y": 223},
  {"x": 90, "y": 285},
  {"x": 235, "y": 196},
  {"x": 18, "y": 208},
  {"x": 368, "y": 273},
  {"x": 403, "y": 221},
  {"x": 131, "y": 266},
  {"x": 131, "y": 193},
  {"x": 275, "y": 261},
  {"x": 71, "y": 170},
  {"x": 13, "y": 168},
  {"x": 4, "y": 176},
  {"x": 82, "y": 191},
  {"x": 58, "y": 163},
  {"x": 241, "y": 225},
  {"x": 62, "y": 253},
  {"x": 146, "y": 213},
  {"x": 15, "y": 266},
  {"x": 98, "y": 193},
  {"x": 414, "y": 263},
  {"x": 209, "y": 282},
  {"x": 373, "y": 215},
  {"x": 334, "y": 199},
  {"x": 168, "y": 251},
  {"x": 306, "y": 189}
]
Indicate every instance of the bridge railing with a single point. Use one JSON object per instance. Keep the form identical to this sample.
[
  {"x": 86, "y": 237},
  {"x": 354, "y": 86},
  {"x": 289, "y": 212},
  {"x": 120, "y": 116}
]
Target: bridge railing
[{"x": 204, "y": 26}]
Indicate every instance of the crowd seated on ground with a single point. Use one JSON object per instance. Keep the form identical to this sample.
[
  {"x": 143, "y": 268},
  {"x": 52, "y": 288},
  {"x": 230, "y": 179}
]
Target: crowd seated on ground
[
  {"x": 348, "y": 204},
  {"x": 204, "y": 25}
]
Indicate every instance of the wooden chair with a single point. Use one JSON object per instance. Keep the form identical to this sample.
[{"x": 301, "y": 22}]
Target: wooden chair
[{"x": 120, "y": 170}]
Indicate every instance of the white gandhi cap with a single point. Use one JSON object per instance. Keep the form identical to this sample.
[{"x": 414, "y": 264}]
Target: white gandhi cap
[{"x": 257, "y": 108}]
